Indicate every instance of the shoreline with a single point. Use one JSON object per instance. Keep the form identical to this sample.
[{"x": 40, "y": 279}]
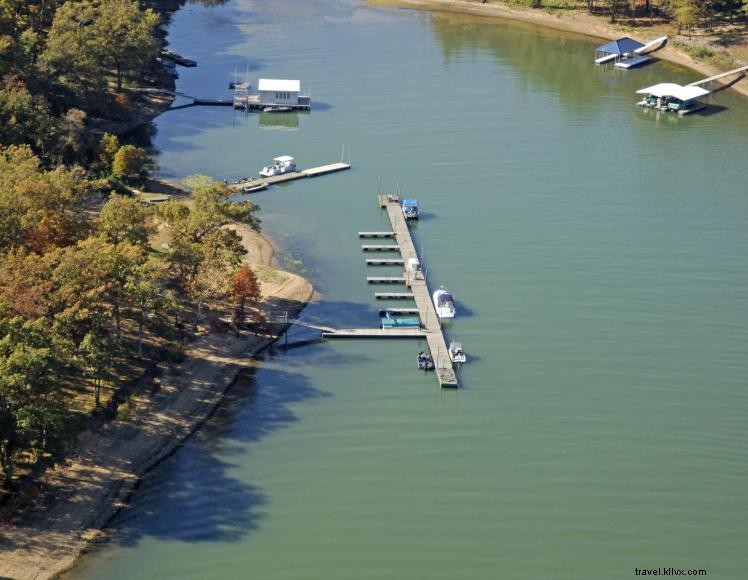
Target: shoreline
[
  {"x": 575, "y": 22},
  {"x": 81, "y": 497}
]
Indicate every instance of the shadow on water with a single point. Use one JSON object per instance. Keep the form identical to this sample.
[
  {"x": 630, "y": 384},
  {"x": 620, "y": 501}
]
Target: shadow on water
[{"x": 191, "y": 497}]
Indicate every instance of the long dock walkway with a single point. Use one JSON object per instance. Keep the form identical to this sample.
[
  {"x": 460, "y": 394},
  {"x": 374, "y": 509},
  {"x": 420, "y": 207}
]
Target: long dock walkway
[
  {"x": 291, "y": 176},
  {"x": 445, "y": 373},
  {"x": 738, "y": 71}
]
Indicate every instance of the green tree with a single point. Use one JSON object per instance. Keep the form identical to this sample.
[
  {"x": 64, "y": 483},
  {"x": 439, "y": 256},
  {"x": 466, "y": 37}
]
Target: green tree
[
  {"x": 145, "y": 289},
  {"x": 72, "y": 52},
  {"x": 97, "y": 355},
  {"x": 128, "y": 35},
  {"x": 25, "y": 118},
  {"x": 687, "y": 14},
  {"x": 125, "y": 219},
  {"x": 32, "y": 412},
  {"x": 198, "y": 232},
  {"x": 128, "y": 161},
  {"x": 108, "y": 147}
]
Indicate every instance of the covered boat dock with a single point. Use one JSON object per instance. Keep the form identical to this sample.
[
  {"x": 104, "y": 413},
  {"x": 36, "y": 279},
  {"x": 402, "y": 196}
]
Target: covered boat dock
[{"x": 673, "y": 98}]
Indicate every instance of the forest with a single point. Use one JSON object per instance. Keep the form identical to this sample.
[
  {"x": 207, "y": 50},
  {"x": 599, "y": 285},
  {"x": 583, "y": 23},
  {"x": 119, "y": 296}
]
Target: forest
[{"x": 87, "y": 305}]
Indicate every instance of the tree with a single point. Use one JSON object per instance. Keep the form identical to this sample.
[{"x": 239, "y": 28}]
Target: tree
[
  {"x": 108, "y": 147},
  {"x": 24, "y": 118},
  {"x": 89, "y": 281},
  {"x": 128, "y": 161},
  {"x": 89, "y": 39},
  {"x": 127, "y": 32},
  {"x": 210, "y": 280},
  {"x": 32, "y": 413},
  {"x": 97, "y": 358},
  {"x": 198, "y": 232},
  {"x": 24, "y": 285},
  {"x": 39, "y": 209},
  {"x": 245, "y": 289},
  {"x": 686, "y": 14},
  {"x": 144, "y": 288},
  {"x": 125, "y": 219}
]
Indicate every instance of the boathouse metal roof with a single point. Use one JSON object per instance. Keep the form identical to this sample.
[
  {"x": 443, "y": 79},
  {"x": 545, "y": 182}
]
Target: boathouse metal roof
[
  {"x": 279, "y": 85},
  {"x": 673, "y": 90},
  {"x": 620, "y": 46}
]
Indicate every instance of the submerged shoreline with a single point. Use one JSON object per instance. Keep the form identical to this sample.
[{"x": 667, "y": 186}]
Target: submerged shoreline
[
  {"x": 81, "y": 497},
  {"x": 575, "y": 22}
]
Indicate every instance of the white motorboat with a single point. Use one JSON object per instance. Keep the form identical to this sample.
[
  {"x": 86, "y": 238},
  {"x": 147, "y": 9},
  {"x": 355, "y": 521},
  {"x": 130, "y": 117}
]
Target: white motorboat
[
  {"x": 281, "y": 165},
  {"x": 444, "y": 303},
  {"x": 456, "y": 352}
]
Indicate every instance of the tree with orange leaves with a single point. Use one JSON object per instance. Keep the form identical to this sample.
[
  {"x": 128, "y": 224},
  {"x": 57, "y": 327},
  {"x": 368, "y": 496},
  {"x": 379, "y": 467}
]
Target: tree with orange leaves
[{"x": 245, "y": 290}]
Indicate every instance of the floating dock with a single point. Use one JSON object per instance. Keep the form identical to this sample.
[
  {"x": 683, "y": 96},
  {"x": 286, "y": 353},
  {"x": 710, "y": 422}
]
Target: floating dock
[
  {"x": 394, "y": 295},
  {"x": 290, "y": 176},
  {"x": 385, "y": 279},
  {"x": 376, "y": 333},
  {"x": 380, "y": 248},
  {"x": 445, "y": 373},
  {"x": 376, "y": 234},
  {"x": 384, "y": 262}
]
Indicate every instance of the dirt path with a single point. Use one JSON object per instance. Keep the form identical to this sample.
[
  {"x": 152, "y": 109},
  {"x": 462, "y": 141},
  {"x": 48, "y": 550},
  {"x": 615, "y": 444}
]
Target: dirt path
[
  {"x": 578, "y": 22},
  {"x": 82, "y": 497}
]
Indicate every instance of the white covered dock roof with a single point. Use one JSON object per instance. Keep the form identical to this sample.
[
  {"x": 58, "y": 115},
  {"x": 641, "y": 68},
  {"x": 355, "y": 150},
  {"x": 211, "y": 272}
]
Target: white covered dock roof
[
  {"x": 279, "y": 85},
  {"x": 673, "y": 90}
]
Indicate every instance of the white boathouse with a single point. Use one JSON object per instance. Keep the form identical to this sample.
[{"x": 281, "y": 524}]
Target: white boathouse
[{"x": 273, "y": 95}]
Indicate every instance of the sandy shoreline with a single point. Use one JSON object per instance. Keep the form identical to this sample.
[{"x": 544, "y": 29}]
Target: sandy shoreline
[
  {"x": 577, "y": 22},
  {"x": 80, "y": 498}
]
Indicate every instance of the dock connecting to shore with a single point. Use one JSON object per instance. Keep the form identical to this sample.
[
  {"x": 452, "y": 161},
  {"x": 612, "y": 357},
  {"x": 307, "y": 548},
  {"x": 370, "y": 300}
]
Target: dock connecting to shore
[
  {"x": 418, "y": 290},
  {"x": 261, "y": 182}
]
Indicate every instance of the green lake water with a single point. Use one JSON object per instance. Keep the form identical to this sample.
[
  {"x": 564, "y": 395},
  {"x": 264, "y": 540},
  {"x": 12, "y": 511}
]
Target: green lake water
[{"x": 597, "y": 253}]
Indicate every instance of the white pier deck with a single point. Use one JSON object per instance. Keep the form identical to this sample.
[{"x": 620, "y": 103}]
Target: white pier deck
[{"x": 292, "y": 176}]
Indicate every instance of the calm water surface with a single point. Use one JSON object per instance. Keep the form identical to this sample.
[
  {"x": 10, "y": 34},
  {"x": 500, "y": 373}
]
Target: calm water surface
[{"x": 598, "y": 255}]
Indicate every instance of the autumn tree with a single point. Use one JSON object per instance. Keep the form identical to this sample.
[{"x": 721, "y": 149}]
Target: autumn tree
[
  {"x": 39, "y": 209},
  {"x": 24, "y": 285},
  {"x": 245, "y": 290}
]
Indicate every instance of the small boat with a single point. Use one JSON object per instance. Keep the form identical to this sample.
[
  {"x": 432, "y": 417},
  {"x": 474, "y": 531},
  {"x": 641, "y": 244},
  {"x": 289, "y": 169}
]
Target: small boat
[
  {"x": 410, "y": 209},
  {"x": 456, "y": 352},
  {"x": 277, "y": 109},
  {"x": 281, "y": 165},
  {"x": 444, "y": 303},
  {"x": 425, "y": 362},
  {"x": 400, "y": 321}
]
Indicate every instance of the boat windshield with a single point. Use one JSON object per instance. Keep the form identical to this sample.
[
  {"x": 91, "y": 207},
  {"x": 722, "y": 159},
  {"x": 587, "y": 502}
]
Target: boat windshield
[{"x": 445, "y": 298}]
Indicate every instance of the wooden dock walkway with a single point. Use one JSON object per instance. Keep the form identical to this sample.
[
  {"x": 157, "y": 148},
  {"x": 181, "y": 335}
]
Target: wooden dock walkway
[
  {"x": 445, "y": 373},
  {"x": 738, "y": 71},
  {"x": 376, "y": 333},
  {"x": 292, "y": 176}
]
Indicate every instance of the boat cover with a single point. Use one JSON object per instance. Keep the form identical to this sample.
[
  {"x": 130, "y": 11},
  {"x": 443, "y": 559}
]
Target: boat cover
[
  {"x": 673, "y": 90},
  {"x": 620, "y": 46}
]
